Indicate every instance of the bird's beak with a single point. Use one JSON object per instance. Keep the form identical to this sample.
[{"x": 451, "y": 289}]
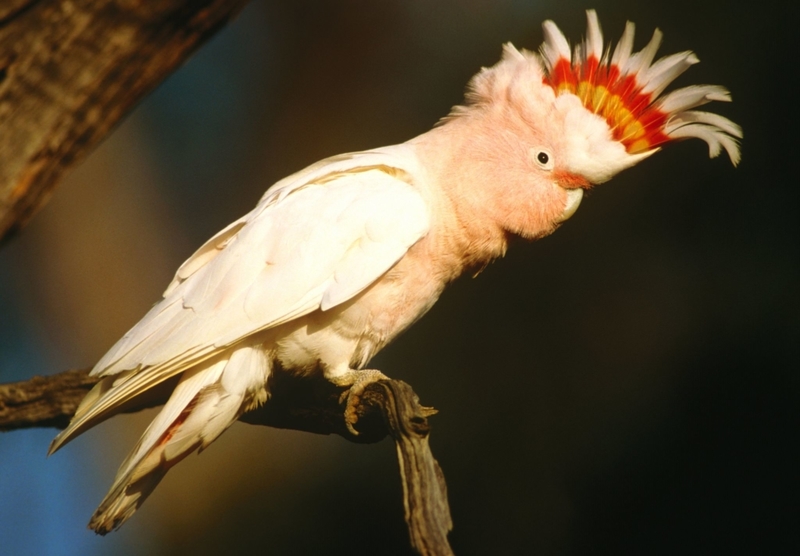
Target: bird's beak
[
  {"x": 569, "y": 180},
  {"x": 573, "y": 184},
  {"x": 574, "y": 197}
]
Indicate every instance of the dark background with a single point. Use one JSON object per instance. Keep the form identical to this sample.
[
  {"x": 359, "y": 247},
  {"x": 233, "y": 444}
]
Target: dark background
[{"x": 628, "y": 385}]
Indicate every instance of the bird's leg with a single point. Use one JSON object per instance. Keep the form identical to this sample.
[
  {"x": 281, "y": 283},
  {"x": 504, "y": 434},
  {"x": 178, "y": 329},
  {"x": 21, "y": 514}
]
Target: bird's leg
[{"x": 357, "y": 380}]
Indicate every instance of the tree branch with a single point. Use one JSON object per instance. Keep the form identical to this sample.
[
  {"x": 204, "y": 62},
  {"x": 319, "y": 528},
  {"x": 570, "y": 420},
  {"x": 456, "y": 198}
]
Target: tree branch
[
  {"x": 43, "y": 401},
  {"x": 70, "y": 70},
  {"x": 388, "y": 407}
]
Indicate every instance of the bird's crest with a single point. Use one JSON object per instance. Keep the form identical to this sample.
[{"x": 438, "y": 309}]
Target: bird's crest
[{"x": 624, "y": 88}]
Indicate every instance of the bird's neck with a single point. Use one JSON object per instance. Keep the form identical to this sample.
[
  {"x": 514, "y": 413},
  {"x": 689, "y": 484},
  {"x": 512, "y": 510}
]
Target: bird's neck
[{"x": 464, "y": 221}]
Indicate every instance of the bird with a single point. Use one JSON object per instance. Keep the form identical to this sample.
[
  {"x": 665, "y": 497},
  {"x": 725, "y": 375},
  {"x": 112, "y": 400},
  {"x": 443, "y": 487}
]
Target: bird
[{"x": 339, "y": 258}]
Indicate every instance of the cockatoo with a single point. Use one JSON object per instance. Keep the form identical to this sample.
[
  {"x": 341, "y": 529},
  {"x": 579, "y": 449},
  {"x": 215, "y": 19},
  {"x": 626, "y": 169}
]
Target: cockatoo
[{"x": 338, "y": 259}]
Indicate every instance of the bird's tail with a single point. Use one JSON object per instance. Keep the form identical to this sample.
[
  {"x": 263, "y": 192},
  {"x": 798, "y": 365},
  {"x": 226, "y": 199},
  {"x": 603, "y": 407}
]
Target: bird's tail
[{"x": 206, "y": 401}]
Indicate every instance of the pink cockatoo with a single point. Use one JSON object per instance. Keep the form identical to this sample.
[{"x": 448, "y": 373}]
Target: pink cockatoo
[{"x": 338, "y": 259}]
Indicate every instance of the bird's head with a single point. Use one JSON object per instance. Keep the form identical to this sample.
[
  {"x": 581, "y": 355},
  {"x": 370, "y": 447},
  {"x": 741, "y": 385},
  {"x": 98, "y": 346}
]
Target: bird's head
[{"x": 548, "y": 125}]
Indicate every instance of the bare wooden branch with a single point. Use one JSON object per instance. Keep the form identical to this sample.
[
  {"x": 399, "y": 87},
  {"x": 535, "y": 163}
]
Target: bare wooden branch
[
  {"x": 424, "y": 490},
  {"x": 70, "y": 69},
  {"x": 43, "y": 401},
  {"x": 388, "y": 407}
]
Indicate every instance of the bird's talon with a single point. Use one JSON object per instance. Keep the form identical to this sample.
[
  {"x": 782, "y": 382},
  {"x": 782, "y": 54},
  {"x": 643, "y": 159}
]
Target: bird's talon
[
  {"x": 358, "y": 382},
  {"x": 350, "y": 413}
]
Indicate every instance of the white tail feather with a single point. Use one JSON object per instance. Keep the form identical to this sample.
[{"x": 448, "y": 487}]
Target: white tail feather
[
  {"x": 206, "y": 401},
  {"x": 122, "y": 501}
]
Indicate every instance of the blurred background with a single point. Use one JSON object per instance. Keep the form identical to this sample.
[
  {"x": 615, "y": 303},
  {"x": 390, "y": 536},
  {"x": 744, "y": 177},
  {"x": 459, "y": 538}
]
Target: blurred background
[{"x": 628, "y": 385}]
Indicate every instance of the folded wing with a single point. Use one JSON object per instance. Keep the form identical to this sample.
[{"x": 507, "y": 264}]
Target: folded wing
[{"x": 314, "y": 241}]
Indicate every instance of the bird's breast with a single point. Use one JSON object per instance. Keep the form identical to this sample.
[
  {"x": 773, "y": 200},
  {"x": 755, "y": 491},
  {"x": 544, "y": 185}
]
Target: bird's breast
[{"x": 349, "y": 335}]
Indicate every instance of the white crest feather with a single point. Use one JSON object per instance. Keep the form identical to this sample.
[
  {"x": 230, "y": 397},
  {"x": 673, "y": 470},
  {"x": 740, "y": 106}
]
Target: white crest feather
[
  {"x": 593, "y": 45},
  {"x": 555, "y": 45},
  {"x": 625, "y": 46}
]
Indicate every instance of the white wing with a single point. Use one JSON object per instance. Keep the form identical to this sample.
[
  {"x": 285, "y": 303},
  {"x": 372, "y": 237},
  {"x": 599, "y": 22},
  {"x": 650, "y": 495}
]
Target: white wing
[{"x": 314, "y": 241}]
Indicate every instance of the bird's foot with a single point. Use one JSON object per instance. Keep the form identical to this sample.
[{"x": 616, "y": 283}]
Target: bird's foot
[{"x": 358, "y": 382}]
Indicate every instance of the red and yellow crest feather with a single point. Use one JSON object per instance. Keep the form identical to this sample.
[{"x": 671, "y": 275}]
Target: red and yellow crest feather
[{"x": 624, "y": 89}]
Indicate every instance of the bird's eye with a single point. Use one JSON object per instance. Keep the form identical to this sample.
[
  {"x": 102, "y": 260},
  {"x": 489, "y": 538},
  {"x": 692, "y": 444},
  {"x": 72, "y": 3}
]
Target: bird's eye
[{"x": 543, "y": 158}]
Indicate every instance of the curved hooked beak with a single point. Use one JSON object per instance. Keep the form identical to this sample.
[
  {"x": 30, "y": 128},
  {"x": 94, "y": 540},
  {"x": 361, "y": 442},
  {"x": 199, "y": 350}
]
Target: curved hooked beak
[
  {"x": 573, "y": 184},
  {"x": 574, "y": 197}
]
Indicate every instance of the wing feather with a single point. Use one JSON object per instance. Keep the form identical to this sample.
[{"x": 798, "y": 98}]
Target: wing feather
[{"x": 310, "y": 244}]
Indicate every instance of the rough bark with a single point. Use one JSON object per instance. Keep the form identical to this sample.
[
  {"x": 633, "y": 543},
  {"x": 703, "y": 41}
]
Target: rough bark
[
  {"x": 43, "y": 401},
  {"x": 424, "y": 490},
  {"x": 387, "y": 407},
  {"x": 70, "y": 69}
]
